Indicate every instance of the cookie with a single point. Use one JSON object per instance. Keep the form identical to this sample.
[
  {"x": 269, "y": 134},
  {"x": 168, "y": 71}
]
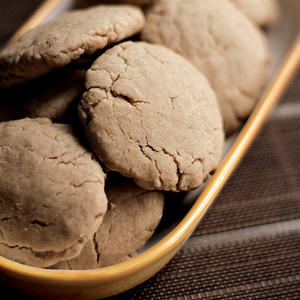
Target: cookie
[
  {"x": 65, "y": 39},
  {"x": 150, "y": 115},
  {"x": 52, "y": 197},
  {"x": 221, "y": 43},
  {"x": 131, "y": 218},
  {"x": 85, "y": 3},
  {"x": 54, "y": 96},
  {"x": 264, "y": 13}
]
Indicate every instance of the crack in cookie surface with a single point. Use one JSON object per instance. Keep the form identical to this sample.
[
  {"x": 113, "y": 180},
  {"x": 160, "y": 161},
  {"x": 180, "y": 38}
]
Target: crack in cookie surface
[
  {"x": 146, "y": 106},
  {"x": 52, "y": 197},
  {"x": 231, "y": 52}
]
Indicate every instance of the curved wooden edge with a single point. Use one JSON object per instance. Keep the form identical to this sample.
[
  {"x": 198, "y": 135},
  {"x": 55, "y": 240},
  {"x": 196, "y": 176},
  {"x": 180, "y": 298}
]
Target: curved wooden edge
[
  {"x": 37, "y": 18},
  {"x": 249, "y": 131}
]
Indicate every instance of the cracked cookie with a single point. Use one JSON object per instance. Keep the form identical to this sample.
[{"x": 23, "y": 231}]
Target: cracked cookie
[
  {"x": 264, "y": 13},
  {"x": 221, "y": 43},
  {"x": 54, "y": 96},
  {"x": 150, "y": 115},
  {"x": 52, "y": 197},
  {"x": 131, "y": 218},
  {"x": 65, "y": 39}
]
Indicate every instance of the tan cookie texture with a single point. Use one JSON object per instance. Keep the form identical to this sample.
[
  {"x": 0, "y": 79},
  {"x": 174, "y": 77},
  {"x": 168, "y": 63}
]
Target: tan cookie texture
[
  {"x": 150, "y": 115},
  {"x": 222, "y": 43},
  {"x": 132, "y": 216},
  {"x": 65, "y": 39},
  {"x": 84, "y": 3},
  {"x": 51, "y": 192},
  {"x": 54, "y": 96},
  {"x": 264, "y": 13}
]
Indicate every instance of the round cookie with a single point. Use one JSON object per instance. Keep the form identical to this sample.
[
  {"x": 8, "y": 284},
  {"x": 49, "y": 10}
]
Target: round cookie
[
  {"x": 65, "y": 39},
  {"x": 54, "y": 96},
  {"x": 52, "y": 197},
  {"x": 131, "y": 218},
  {"x": 150, "y": 115},
  {"x": 221, "y": 43},
  {"x": 264, "y": 13}
]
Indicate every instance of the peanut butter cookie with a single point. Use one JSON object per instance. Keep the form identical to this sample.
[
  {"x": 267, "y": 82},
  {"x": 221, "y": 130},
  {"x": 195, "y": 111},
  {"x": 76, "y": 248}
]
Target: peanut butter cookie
[
  {"x": 264, "y": 13},
  {"x": 65, "y": 39},
  {"x": 150, "y": 115},
  {"x": 221, "y": 43},
  {"x": 131, "y": 218},
  {"x": 52, "y": 198}
]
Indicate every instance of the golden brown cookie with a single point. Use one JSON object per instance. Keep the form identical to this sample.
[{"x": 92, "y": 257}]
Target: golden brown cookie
[
  {"x": 52, "y": 198},
  {"x": 65, "y": 39},
  {"x": 150, "y": 115},
  {"x": 222, "y": 43},
  {"x": 131, "y": 218}
]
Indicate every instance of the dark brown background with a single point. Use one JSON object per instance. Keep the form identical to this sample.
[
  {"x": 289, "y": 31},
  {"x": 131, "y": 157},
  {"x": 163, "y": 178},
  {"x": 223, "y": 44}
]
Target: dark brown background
[{"x": 248, "y": 244}]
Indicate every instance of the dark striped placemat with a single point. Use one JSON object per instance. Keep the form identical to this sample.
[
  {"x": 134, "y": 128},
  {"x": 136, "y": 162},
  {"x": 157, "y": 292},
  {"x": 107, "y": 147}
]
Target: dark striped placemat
[
  {"x": 262, "y": 267},
  {"x": 265, "y": 187}
]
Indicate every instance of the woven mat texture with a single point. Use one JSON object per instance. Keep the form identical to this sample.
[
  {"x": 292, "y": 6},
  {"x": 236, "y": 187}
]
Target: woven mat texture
[{"x": 248, "y": 244}]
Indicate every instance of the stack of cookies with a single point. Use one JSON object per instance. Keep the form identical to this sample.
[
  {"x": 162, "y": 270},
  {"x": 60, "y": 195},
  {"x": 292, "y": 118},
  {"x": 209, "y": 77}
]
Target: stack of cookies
[{"x": 106, "y": 108}]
